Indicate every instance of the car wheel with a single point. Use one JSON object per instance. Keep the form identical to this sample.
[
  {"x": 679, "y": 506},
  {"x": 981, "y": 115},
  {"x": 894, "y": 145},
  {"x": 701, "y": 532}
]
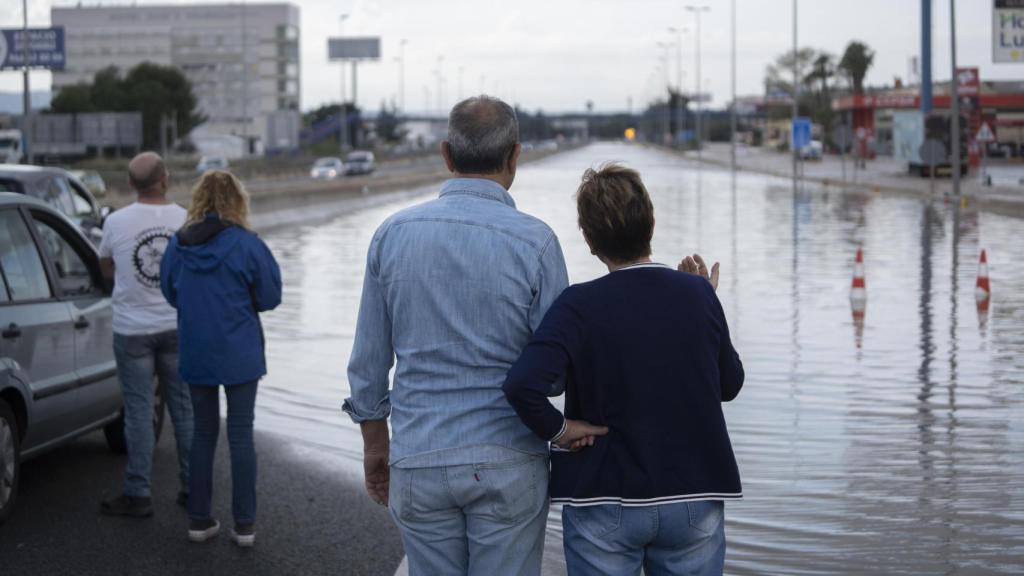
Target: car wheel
[
  {"x": 10, "y": 468},
  {"x": 114, "y": 431}
]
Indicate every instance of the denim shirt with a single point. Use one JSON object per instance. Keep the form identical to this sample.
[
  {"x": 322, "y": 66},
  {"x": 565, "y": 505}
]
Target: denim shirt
[{"x": 453, "y": 290}]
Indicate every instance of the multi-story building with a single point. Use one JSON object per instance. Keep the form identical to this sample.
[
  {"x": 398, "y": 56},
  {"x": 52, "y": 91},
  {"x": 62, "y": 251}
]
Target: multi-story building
[{"x": 242, "y": 59}]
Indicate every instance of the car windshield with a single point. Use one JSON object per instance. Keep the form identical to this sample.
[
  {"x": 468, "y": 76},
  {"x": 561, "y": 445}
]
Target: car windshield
[
  {"x": 358, "y": 157},
  {"x": 324, "y": 162},
  {"x": 7, "y": 142}
]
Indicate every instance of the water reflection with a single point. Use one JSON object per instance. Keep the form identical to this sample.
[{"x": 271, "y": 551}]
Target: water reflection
[{"x": 902, "y": 456}]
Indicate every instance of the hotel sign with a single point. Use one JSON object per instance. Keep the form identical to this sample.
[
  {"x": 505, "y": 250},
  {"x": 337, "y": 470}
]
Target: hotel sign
[
  {"x": 44, "y": 48},
  {"x": 1008, "y": 31}
]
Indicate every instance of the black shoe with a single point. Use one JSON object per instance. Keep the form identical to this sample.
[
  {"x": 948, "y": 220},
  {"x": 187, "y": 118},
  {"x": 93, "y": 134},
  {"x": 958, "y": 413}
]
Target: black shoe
[
  {"x": 124, "y": 505},
  {"x": 244, "y": 535},
  {"x": 182, "y": 499},
  {"x": 202, "y": 530}
]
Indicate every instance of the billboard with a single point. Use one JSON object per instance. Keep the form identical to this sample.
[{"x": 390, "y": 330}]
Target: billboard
[
  {"x": 45, "y": 48},
  {"x": 353, "y": 48},
  {"x": 1008, "y": 31}
]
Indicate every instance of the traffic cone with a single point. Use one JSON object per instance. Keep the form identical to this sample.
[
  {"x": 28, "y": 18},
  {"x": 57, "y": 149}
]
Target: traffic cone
[
  {"x": 982, "y": 288},
  {"x": 858, "y": 289},
  {"x": 858, "y": 299}
]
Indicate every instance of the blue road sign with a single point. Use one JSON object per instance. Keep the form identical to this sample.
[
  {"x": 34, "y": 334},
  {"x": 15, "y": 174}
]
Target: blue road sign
[
  {"x": 801, "y": 133},
  {"x": 45, "y": 48}
]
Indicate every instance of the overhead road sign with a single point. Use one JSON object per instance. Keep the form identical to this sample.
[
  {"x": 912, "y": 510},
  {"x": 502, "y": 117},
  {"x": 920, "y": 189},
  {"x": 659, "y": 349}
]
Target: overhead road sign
[
  {"x": 45, "y": 48},
  {"x": 351, "y": 48},
  {"x": 1007, "y": 31}
]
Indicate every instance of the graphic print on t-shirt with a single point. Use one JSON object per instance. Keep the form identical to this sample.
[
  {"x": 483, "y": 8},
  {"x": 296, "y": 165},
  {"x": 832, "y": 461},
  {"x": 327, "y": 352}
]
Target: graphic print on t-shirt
[{"x": 147, "y": 254}]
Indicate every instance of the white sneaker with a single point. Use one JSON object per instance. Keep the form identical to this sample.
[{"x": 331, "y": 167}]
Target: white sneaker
[{"x": 202, "y": 530}]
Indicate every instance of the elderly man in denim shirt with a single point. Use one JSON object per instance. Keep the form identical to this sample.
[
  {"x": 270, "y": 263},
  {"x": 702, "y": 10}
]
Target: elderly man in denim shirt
[{"x": 453, "y": 290}]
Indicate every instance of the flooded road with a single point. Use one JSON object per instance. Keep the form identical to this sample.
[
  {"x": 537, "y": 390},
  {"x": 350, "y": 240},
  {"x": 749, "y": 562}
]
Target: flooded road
[{"x": 891, "y": 443}]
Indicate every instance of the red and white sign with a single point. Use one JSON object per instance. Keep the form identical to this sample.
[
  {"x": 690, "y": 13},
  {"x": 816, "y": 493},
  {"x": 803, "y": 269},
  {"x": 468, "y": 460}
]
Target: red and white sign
[
  {"x": 985, "y": 134},
  {"x": 969, "y": 82}
]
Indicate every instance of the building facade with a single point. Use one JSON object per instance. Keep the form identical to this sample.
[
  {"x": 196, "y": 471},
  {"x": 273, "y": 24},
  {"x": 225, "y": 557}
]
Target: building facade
[{"x": 242, "y": 59}]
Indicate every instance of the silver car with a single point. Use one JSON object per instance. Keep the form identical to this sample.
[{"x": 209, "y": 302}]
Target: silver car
[
  {"x": 58, "y": 378},
  {"x": 60, "y": 190}
]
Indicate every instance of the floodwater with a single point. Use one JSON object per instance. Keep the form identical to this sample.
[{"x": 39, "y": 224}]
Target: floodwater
[{"x": 891, "y": 443}]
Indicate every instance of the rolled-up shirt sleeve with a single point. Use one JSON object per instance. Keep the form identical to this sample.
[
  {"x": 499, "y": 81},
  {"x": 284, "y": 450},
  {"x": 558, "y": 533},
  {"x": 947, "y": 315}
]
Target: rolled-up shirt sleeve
[{"x": 372, "y": 353}]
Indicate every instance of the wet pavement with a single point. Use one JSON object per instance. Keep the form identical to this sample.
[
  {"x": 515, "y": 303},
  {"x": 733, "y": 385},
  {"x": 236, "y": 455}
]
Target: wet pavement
[{"x": 887, "y": 443}]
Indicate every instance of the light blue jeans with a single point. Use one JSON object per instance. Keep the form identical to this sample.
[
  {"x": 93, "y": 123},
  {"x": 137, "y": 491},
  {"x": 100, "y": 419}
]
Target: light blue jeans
[
  {"x": 486, "y": 519},
  {"x": 140, "y": 358},
  {"x": 684, "y": 538}
]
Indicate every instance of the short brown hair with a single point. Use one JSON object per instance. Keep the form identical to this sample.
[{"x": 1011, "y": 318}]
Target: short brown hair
[{"x": 615, "y": 213}]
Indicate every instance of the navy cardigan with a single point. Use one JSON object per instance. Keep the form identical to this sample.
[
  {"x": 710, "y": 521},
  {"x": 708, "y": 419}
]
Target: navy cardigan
[{"x": 645, "y": 351}]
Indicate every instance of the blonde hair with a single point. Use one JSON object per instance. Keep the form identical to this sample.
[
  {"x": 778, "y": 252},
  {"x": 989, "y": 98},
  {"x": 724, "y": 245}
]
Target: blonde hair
[{"x": 221, "y": 192}]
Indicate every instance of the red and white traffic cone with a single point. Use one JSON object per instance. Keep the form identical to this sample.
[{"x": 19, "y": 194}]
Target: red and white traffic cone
[
  {"x": 858, "y": 298},
  {"x": 858, "y": 289},
  {"x": 982, "y": 288}
]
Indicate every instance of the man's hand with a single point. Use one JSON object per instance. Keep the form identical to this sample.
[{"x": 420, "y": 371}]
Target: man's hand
[
  {"x": 579, "y": 434},
  {"x": 376, "y": 472},
  {"x": 695, "y": 265}
]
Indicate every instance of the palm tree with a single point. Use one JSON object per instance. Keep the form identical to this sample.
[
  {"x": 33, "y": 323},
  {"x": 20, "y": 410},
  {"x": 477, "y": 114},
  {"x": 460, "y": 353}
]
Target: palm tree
[{"x": 856, "y": 61}]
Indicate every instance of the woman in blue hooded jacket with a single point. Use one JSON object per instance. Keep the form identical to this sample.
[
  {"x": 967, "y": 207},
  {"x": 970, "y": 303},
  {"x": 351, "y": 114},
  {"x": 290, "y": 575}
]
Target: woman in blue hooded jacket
[{"x": 219, "y": 276}]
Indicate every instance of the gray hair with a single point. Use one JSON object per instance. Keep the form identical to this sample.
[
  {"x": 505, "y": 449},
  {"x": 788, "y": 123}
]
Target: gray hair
[{"x": 482, "y": 132}]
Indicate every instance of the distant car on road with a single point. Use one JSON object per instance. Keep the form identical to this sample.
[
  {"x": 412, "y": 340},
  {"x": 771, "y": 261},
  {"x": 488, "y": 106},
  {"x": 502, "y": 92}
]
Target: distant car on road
[
  {"x": 62, "y": 191},
  {"x": 92, "y": 180},
  {"x": 327, "y": 169},
  {"x": 58, "y": 378},
  {"x": 812, "y": 151},
  {"x": 10, "y": 147},
  {"x": 207, "y": 163},
  {"x": 359, "y": 162}
]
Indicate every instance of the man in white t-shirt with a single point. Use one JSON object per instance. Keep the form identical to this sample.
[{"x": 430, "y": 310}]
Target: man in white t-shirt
[{"x": 145, "y": 330}]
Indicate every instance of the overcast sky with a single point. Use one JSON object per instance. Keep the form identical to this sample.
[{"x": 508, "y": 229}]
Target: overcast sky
[{"x": 557, "y": 54}]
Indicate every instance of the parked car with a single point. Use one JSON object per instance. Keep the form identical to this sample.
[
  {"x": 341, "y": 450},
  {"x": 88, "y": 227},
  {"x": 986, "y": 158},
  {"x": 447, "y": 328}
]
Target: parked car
[
  {"x": 92, "y": 180},
  {"x": 327, "y": 169},
  {"x": 62, "y": 191},
  {"x": 212, "y": 163},
  {"x": 58, "y": 377},
  {"x": 812, "y": 151},
  {"x": 359, "y": 162},
  {"x": 11, "y": 147}
]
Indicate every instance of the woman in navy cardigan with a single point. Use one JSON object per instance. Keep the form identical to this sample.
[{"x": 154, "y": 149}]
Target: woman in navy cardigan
[{"x": 641, "y": 460}]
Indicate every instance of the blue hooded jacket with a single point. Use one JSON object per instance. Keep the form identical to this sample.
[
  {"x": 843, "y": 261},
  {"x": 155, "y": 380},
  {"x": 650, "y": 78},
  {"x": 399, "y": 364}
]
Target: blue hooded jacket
[{"x": 219, "y": 277}]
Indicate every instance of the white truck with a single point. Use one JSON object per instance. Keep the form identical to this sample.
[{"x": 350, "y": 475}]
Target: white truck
[{"x": 11, "y": 147}]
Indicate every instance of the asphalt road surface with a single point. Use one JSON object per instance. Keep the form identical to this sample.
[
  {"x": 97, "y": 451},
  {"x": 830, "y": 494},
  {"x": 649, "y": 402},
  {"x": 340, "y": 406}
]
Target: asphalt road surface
[{"x": 313, "y": 518}]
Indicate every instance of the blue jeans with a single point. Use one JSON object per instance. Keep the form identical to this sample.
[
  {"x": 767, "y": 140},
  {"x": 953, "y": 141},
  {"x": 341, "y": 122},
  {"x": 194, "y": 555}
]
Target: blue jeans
[
  {"x": 206, "y": 405},
  {"x": 684, "y": 538},
  {"x": 484, "y": 519},
  {"x": 138, "y": 359}
]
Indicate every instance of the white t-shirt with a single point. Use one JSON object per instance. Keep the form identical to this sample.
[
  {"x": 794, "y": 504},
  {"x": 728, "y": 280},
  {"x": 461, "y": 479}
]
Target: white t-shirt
[{"x": 135, "y": 237}]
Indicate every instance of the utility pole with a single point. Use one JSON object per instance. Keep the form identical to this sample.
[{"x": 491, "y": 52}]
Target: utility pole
[
  {"x": 732, "y": 116},
  {"x": 440, "y": 98},
  {"x": 679, "y": 75},
  {"x": 954, "y": 98},
  {"x": 697, "y": 122},
  {"x": 401, "y": 74},
  {"x": 796, "y": 98},
  {"x": 27, "y": 97},
  {"x": 926, "y": 57},
  {"x": 342, "y": 113}
]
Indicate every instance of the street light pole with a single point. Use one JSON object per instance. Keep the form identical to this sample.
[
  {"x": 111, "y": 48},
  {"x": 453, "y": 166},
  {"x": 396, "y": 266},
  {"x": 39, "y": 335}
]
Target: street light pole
[
  {"x": 954, "y": 99},
  {"x": 679, "y": 75},
  {"x": 796, "y": 97},
  {"x": 697, "y": 122},
  {"x": 342, "y": 115},
  {"x": 461, "y": 70},
  {"x": 732, "y": 116},
  {"x": 27, "y": 97},
  {"x": 401, "y": 74}
]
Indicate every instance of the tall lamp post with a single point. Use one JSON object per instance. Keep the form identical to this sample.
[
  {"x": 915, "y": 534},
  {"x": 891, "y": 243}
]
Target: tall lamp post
[
  {"x": 696, "y": 10},
  {"x": 27, "y": 97},
  {"x": 679, "y": 73},
  {"x": 732, "y": 115},
  {"x": 954, "y": 98},
  {"x": 342, "y": 114},
  {"x": 401, "y": 74},
  {"x": 796, "y": 96}
]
